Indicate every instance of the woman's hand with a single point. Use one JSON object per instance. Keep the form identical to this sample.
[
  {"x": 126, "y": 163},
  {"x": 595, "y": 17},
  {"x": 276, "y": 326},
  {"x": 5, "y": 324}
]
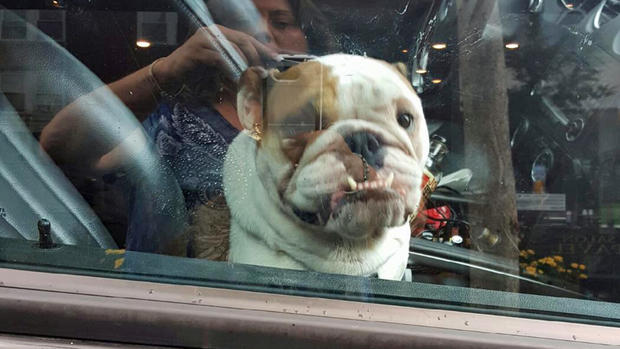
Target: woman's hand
[{"x": 199, "y": 52}]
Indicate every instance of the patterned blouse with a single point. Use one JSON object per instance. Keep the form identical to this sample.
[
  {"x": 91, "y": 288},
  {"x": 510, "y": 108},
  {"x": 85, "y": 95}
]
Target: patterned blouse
[{"x": 193, "y": 141}]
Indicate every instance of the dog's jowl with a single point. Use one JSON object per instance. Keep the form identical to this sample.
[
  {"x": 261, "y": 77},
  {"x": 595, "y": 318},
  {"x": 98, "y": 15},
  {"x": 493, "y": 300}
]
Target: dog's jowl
[{"x": 328, "y": 169}]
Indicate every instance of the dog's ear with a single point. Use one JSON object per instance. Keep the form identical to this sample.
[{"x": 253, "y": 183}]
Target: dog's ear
[
  {"x": 250, "y": 98},
  {"x": 401, "y": 68}
]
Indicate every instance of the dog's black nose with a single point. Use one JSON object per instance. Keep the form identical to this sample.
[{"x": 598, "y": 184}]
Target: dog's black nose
[{"x": 368, "y": 146}]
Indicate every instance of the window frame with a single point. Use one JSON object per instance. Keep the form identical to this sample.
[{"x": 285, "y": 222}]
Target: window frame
[
  {"x": 30, "y": 21},
  {"x": 170, "y": 24},
  {"x": 141, "y": 312},
  {"x": 173, "y": 272},
  {"x": 62, "y": 20}
]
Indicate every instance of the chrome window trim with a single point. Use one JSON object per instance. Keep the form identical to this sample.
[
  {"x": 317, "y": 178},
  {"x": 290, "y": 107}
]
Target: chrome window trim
[
  {"x": 94, "y": 308},
  {"x": 34, "y": 342},
  {"x": 128, "y": 265}
]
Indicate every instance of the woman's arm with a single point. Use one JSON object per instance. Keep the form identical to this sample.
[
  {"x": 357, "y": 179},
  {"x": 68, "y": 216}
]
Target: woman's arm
[
  {"x": 74, "y": 133},
  {"x": 74, "y": 136}
]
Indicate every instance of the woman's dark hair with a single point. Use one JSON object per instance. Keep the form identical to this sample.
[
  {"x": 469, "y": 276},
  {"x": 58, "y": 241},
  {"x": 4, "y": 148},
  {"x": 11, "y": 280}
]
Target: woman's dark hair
[
  {"x": 316, "y": 27},
  {"x": 309, "y": 18}
]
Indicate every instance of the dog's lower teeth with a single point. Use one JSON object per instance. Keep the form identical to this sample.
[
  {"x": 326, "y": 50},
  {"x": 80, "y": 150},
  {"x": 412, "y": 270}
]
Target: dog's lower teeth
[
  {"x": 389, "y": 180},
  {"x": 387, "y": 183},
  {"x": 352, "y": 183}
]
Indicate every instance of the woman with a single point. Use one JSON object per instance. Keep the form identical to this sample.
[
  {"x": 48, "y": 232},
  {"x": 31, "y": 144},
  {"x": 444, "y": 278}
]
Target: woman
[{"x": 194, "y": 117}]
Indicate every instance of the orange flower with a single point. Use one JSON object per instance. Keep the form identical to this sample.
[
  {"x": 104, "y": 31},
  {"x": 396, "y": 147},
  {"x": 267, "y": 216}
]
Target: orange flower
[
  {"x": 582, "y": 267},
  {"x": 558, "y": 258},
  {"x": 530, "y": 251},
  {"x": 583, "y": 276},
  {"x": 574, "y": 265}
]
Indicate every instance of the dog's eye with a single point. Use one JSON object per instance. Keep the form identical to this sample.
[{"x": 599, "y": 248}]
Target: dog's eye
[{"x": 405, "y": 120}]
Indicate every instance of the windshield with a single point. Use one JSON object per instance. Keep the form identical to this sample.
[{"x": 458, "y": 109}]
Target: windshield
[{"x": 469, "y": 145}]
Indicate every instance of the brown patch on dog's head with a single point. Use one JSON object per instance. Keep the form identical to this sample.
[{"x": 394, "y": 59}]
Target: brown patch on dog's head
[{"x": 308, "y": 84}]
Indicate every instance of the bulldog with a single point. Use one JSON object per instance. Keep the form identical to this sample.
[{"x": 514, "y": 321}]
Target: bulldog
[{"x": 328, "y": 169}]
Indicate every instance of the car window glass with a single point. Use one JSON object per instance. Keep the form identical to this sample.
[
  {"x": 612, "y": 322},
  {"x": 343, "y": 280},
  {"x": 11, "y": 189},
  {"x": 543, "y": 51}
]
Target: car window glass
[{"x": 469, "y": 145}]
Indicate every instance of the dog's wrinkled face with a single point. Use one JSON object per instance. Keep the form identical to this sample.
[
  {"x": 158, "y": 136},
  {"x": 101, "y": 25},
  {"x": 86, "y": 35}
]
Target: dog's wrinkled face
[{"x": 358, "y": 168}]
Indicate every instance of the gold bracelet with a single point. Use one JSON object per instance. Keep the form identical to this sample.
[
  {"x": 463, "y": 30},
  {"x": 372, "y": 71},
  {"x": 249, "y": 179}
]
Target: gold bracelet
[{"x": 163, "y": 92}]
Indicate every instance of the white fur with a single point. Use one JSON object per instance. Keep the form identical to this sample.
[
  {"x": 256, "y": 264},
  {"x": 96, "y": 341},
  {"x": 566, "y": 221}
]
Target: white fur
[
  {"x": 262, "y": 232},
  {"x": 260, "y": 194}
]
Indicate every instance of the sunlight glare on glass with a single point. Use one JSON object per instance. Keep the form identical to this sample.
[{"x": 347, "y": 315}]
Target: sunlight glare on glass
[
  {"x": 404, "y": 50},
  {"x": 512, "y": 45},
  {"x": 143, "y": 43},
  {"x": 436, "y": 81},
  {"x": 421, "y": 71},
  {"x": 439, "y": 45}
]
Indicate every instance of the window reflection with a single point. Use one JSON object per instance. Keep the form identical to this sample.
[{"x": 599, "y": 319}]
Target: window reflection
[{"x": 525, "y": 99}]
